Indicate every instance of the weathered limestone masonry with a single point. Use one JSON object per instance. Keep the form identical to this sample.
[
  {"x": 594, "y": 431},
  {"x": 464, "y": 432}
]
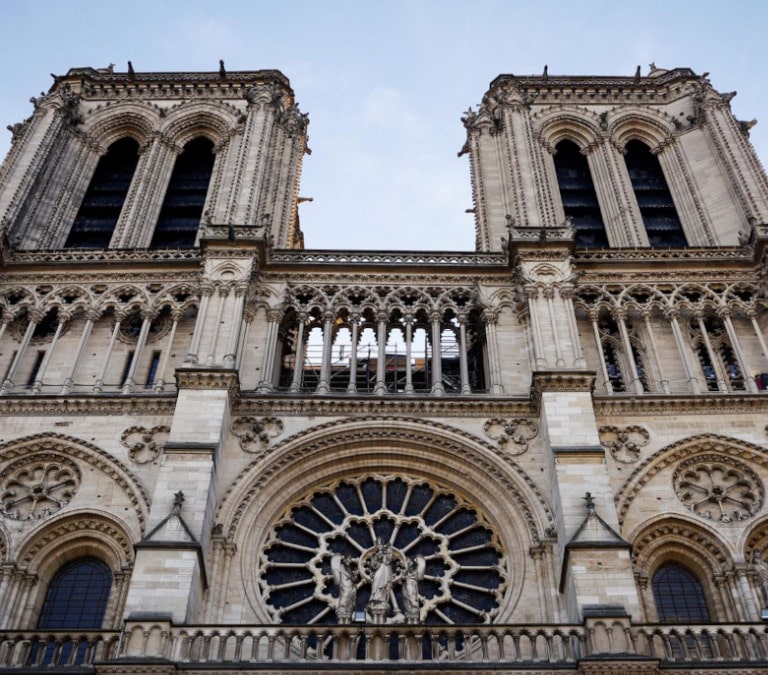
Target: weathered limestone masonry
[{"x": 220, "y": 450}]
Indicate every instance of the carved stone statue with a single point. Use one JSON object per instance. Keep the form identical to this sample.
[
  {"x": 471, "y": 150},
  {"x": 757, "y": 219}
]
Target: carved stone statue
[
  {"x": 414, "y": 572},
  {"x": 761, "y": 571},
  {"x": 345, "y": 576},
  {"x": 382, "y": 571}
]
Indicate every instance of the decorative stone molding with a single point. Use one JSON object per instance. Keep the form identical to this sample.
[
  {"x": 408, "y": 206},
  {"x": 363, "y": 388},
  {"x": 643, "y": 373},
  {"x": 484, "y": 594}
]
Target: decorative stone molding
[
  {"x": 250, "y": 403},
  {"x": 513, "y": 435},
  {"x": 38, "y": 486},
  {"x": 144, "y": 445},
  {"x": 256, "y": 434},
  {"x": 718, "y": 487},
  {"x": 98, "y": 405},
  {"x": 624, "y": 443},
  {"x": 207, "y": 378},
  {"x": 80, "y": 527},
  {"x": 575, "y": 380},
  {"x": 370, "y": 432},
  {"x": 691, "y": 447},
  {"x": 667, "y": 406},
  {"x": 73, "y": 448}
]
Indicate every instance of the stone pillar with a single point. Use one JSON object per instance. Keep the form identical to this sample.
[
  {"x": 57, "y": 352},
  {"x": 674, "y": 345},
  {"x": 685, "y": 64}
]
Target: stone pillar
[
  {"x": 463, "y": 368},
  {"x": 408, "y": 345},
  {"x": 671, "y": 316},
  {"x": 160, "y": 382},
  {"x": 381, "y": 361},
  {"x": 69, "y": 380},
  {"x": 298, "y": 361},
  {"x": 354, "y": 321},
  {"x": 130, "y": 381},
  {"x": 749, "y": 382},
  {"x": 490, "y": 318},
  {"x": 646, "y": 316},
  {"x": 206, "y": 292},
  {"x": 436, "y": 320},
  {"x": 38, "y": 383},
  {"x": 34, "y": 318},
  {"x": 620, "y": 316},
  {"x": 270, "y": 351},
  {"x": 607, "y": 384},
  {"x": 99, "y": 384},
  {"x": 324, "y": 385}
]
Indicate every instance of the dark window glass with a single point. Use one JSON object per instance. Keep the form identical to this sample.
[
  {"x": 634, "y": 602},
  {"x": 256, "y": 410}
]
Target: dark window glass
[
  {"x": 36, "y": 368},
  {"x": 152, "y": 373},
  {"x": 653, "y": 197},
  {"x": 577, "y": 192},
  {"x": 95, "y": 221},
  {"x": 678, "y": 595},
  {"x": 77, "y": 596},
  {"x": 185, "y": 197}
]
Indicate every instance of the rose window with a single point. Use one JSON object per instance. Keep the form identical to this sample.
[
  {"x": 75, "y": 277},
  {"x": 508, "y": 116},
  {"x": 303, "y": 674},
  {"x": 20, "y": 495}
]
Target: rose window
[
  {"x": 718, "y": 488},
  {"x": 382, "y": 550},
  {"x": 38, "y": 487}
]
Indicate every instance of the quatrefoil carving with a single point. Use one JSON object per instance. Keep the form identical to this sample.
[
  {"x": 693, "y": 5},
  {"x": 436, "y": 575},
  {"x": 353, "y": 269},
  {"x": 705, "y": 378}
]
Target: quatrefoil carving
[
  {"x": 256, "y": 433},
  {"x": 144, "y": 445},
  {"x": 512, "y": 436},
  {"x": 624, "y": 443}
]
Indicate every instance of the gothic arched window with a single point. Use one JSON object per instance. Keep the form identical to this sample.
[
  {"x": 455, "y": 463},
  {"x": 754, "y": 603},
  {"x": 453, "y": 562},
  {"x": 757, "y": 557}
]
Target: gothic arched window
[
  {"x": 678, "y": 595},
  {"x": 100, "y": 209},
  {"x": 654, "y": 199},
  {"x": 77, "y": 596},
  {"x": 182, "y": 207},
  {"x": 577, "y": 193}
]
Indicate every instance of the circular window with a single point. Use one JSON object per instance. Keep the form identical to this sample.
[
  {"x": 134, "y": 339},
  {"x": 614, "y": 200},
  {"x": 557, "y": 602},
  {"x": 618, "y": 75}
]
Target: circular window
[
  {"x": 718, "y": 488},
  {"x": 382, "y": 550},
  {"x": 36, "y": 487}
]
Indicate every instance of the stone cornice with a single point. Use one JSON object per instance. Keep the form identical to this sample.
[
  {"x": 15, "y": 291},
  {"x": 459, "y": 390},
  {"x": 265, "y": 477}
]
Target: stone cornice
[
  {"x": 703, "y": 404},
  {"x": 207, "y": 378},
  {"x": 358, "y": 406},
  {"x": 96, "y": 404}
]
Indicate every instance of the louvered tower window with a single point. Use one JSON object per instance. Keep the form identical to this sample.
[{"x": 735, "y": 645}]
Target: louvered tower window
[
  {"x": 577, "y": 193},
  {"x": 660, "y": 218},
  {"x": 185, "y": 197},
  {"x": 100, "y": 210}
]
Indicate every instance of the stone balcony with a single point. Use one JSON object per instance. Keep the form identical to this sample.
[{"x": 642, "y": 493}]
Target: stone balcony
[{"x": 596, "y": 646}]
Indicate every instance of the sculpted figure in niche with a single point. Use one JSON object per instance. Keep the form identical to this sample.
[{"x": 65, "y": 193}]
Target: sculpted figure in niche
[{"x": 346, "y": 576}]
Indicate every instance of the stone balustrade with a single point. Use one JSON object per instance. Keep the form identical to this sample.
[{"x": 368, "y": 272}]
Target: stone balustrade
[{"x": 561, "y": 646}]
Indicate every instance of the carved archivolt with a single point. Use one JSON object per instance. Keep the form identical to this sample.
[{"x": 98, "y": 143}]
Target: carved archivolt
[
  {"x": 144, "y": 445},
  {"x": 437, "y": 446},
  {"x": 680, "y": 451},
  {"x": 694, "y": 545},
  {"x": 717, "y": 487},
  {"x": 75, "y": 449},
  {"x": 74, "y": 536}
]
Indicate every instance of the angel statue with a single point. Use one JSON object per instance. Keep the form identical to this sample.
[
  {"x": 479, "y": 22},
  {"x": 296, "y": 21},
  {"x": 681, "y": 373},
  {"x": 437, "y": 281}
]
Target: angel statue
[
  {"x": 414, "y": 572},
  {"x": 345, "y": 576}
]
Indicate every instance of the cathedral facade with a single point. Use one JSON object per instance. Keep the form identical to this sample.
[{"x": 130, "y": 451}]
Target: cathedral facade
[{"x": 222, "y": 449}]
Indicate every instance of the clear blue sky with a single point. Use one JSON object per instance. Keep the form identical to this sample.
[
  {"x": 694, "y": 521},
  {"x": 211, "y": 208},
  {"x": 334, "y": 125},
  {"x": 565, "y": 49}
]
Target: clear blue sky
[{"x": 385, "y": 83}]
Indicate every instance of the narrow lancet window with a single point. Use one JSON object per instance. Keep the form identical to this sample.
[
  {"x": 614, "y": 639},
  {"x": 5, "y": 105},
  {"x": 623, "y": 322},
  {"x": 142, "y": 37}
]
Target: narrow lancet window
[
  {"x": 103, "y": 202},
  {"x": 185, "y": 197},
  {"x": 654, "y": 199},
  {"x": 577, "y": 193}
]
